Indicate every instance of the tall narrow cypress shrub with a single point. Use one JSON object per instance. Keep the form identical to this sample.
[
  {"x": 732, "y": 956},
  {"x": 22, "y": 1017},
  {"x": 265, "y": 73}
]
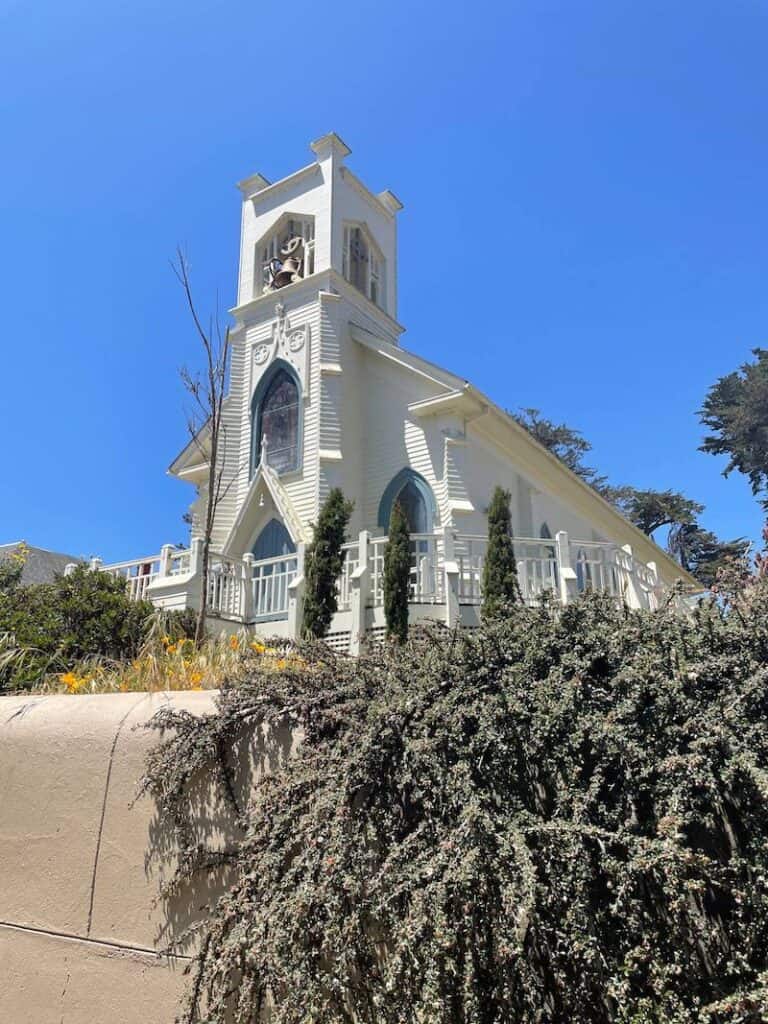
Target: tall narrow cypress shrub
[
  {"x": 323, "y": 563},
  {"x": 500, "y": 586},
  {"x": 397, "y": 574}
]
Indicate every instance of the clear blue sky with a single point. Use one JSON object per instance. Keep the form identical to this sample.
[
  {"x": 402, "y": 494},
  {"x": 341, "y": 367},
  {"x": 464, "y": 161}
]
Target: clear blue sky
[{"x": 603, "y": 165}]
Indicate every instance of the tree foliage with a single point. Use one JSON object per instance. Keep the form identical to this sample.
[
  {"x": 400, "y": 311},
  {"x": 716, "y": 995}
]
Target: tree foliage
[
  {"x": 568, "y": 444},
  {"x": 53, "y": 625},
  {"x": 736, "y": 411},
  {"x": 323, "y": 563},
  {"x": 651, "y": 510},
  {"x": 500, "y": 587},
  {"x": 397, "y": 574},
  {"x": 648, "y": 509},
  {"x": 560, "y": 816},
  {"x": 703, "y": 554}
]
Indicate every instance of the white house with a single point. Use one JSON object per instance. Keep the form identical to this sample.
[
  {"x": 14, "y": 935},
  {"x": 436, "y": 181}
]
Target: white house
[{"x": 322, "y": 395}]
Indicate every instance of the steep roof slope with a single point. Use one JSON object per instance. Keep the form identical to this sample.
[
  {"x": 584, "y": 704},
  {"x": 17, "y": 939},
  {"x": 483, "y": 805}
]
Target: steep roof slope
[{"x": 40, "y": 565}]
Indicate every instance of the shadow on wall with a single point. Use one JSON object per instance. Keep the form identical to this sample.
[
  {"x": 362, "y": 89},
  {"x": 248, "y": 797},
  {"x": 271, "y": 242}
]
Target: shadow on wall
[{"x": 83, "y": 936}]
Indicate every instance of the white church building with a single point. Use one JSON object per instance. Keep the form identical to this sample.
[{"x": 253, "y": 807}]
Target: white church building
[{"x": 322, "y": 395}]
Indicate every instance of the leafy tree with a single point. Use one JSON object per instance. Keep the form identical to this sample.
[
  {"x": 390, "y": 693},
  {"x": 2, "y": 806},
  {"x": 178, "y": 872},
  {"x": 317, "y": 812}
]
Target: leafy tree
[
  {"x": 397, "y": 574},
  {"x": 699, "y": 551},
  {"x": 703, "y": 554},
  {"x": 500, "y": 587},
  {"x": 85, "y": 615},
  {"x": 569, "y": 445},
  {"x": 323, "y": 564},
  {"x": 559, "y": 816},
  {"x": 12, "y": 569},
  {"x": 650, "y": 510},
  {"x": 736, "y": 411}
]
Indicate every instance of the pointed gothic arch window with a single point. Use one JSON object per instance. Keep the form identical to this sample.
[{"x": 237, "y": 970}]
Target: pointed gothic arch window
[
  {"x": 416, "y": 498},
  {"x": 276, "y": 420},
  {"x": 273, "y": 541}
]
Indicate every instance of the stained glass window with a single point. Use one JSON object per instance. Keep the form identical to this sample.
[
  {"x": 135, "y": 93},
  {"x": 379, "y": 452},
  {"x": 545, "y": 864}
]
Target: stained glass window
[{"x": 278, "y": 423}]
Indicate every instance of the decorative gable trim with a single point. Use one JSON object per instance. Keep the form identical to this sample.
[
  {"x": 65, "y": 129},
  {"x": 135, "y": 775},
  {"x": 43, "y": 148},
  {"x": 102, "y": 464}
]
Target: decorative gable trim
[{"x": 241, "y": 529}]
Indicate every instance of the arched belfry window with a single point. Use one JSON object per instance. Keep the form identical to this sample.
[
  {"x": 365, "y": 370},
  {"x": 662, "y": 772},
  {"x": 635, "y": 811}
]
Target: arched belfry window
[
  {"x": 416, "y": 499},
  {"x": 362, "y": 263},
  {"x": 276, "y": 421}
]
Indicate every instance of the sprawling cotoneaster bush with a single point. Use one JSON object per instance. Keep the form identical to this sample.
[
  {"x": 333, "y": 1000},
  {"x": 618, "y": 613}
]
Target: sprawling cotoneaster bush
[{"x": 559, "y": 817}]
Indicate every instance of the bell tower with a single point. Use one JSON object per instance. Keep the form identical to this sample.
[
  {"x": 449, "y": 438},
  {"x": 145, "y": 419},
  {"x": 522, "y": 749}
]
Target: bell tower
[
  {"x": 318, "y": 264},
  {"x": 318, "y": 219}
]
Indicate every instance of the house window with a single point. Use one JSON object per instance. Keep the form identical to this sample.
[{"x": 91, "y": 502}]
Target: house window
[
  {"x": 276, "y": 422},
  {"x": 271, "y": 248},
  {"x": 362, "y": 265}
]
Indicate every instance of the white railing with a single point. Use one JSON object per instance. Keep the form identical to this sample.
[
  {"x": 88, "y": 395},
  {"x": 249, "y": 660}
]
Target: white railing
[
  {"x": 601, "y": 566},
  {"x": 259, "y": 590},
  {"x": 536, "y": 562},
  {"x": 536, "y": 567},
  {"x": 137, "y": 573},
  {"x": 351, "y": 556},
  {"x": 271, "y": 580},
  {"x": 426, "y": 585},
  {"x": 180, "y": 562},
  {"x": 225, "y": 586}
]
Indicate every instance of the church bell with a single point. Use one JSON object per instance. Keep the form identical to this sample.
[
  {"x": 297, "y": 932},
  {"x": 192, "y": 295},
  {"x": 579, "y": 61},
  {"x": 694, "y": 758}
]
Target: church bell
[{"x": 292, "y": 254}]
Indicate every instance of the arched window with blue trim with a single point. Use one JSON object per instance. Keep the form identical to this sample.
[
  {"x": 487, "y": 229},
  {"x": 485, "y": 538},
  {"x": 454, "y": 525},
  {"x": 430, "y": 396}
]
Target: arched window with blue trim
[
  {"x": 275, "y": 418},
  {"x": 273, "y": 541},
  {"x": 416, "y": 499}
]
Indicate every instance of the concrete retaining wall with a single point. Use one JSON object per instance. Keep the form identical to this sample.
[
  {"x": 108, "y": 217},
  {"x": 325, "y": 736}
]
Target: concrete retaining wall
[{"x": 79, "y": 927}]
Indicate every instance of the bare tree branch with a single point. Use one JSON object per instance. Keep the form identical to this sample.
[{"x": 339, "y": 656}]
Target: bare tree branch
[{"x": 208, "y": 392}]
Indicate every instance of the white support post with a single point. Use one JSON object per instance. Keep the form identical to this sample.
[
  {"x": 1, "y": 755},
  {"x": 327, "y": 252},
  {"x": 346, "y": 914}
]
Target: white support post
[
  {"x": 631, "y": 591},
  {"x": 196, "y": 555},
  {"x": 166, "y": 553},
  {"x": 296, "y": 596},
  {"x": 451, "y": 570},
  {"x": 565, "y": 574},
  {"x": 194, "y": 595},
  {"x": 246, "y": 583},
  {"x": 360, "y": 587},
  {"x": 95, "y": 564}
]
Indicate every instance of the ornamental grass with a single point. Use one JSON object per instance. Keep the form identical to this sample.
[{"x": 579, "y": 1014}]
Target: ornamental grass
[{"x": 168, "y": 663}]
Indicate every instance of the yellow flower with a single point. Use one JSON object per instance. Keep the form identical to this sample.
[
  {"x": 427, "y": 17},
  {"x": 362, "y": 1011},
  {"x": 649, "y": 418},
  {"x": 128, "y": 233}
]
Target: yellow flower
[
  {"x": 165, "y": 640},
  {"x": 72, "y": 682},
  {"x": 196, "y": 678},
  {"x": 170, "y": 648},
  {"x": 258, "y": 647},
  {"x": 281, "y": 663},
  {"x": 234, "y": 643}
]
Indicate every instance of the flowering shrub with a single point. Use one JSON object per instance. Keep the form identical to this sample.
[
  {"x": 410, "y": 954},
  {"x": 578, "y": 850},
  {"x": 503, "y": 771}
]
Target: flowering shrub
[
  {"x": 559, "y": 817},
  {"x": 55, "y": 625}
]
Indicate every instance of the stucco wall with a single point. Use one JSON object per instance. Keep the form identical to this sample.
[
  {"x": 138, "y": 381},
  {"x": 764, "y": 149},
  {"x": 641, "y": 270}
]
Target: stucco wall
[{"x": 79, "y": 927}]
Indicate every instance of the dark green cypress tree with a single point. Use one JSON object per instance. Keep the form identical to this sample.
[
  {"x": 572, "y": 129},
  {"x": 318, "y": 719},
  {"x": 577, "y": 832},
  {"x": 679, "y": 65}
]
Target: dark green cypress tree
[
  {"x": 397, "y": 574},
  {"x": 323, "y": 563},
  {"x": 500, "y": 587}
]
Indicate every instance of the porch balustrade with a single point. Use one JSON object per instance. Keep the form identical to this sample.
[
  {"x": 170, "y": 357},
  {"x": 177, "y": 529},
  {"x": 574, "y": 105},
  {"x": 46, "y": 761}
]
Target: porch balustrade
[{"x": 446, "y": 571}]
